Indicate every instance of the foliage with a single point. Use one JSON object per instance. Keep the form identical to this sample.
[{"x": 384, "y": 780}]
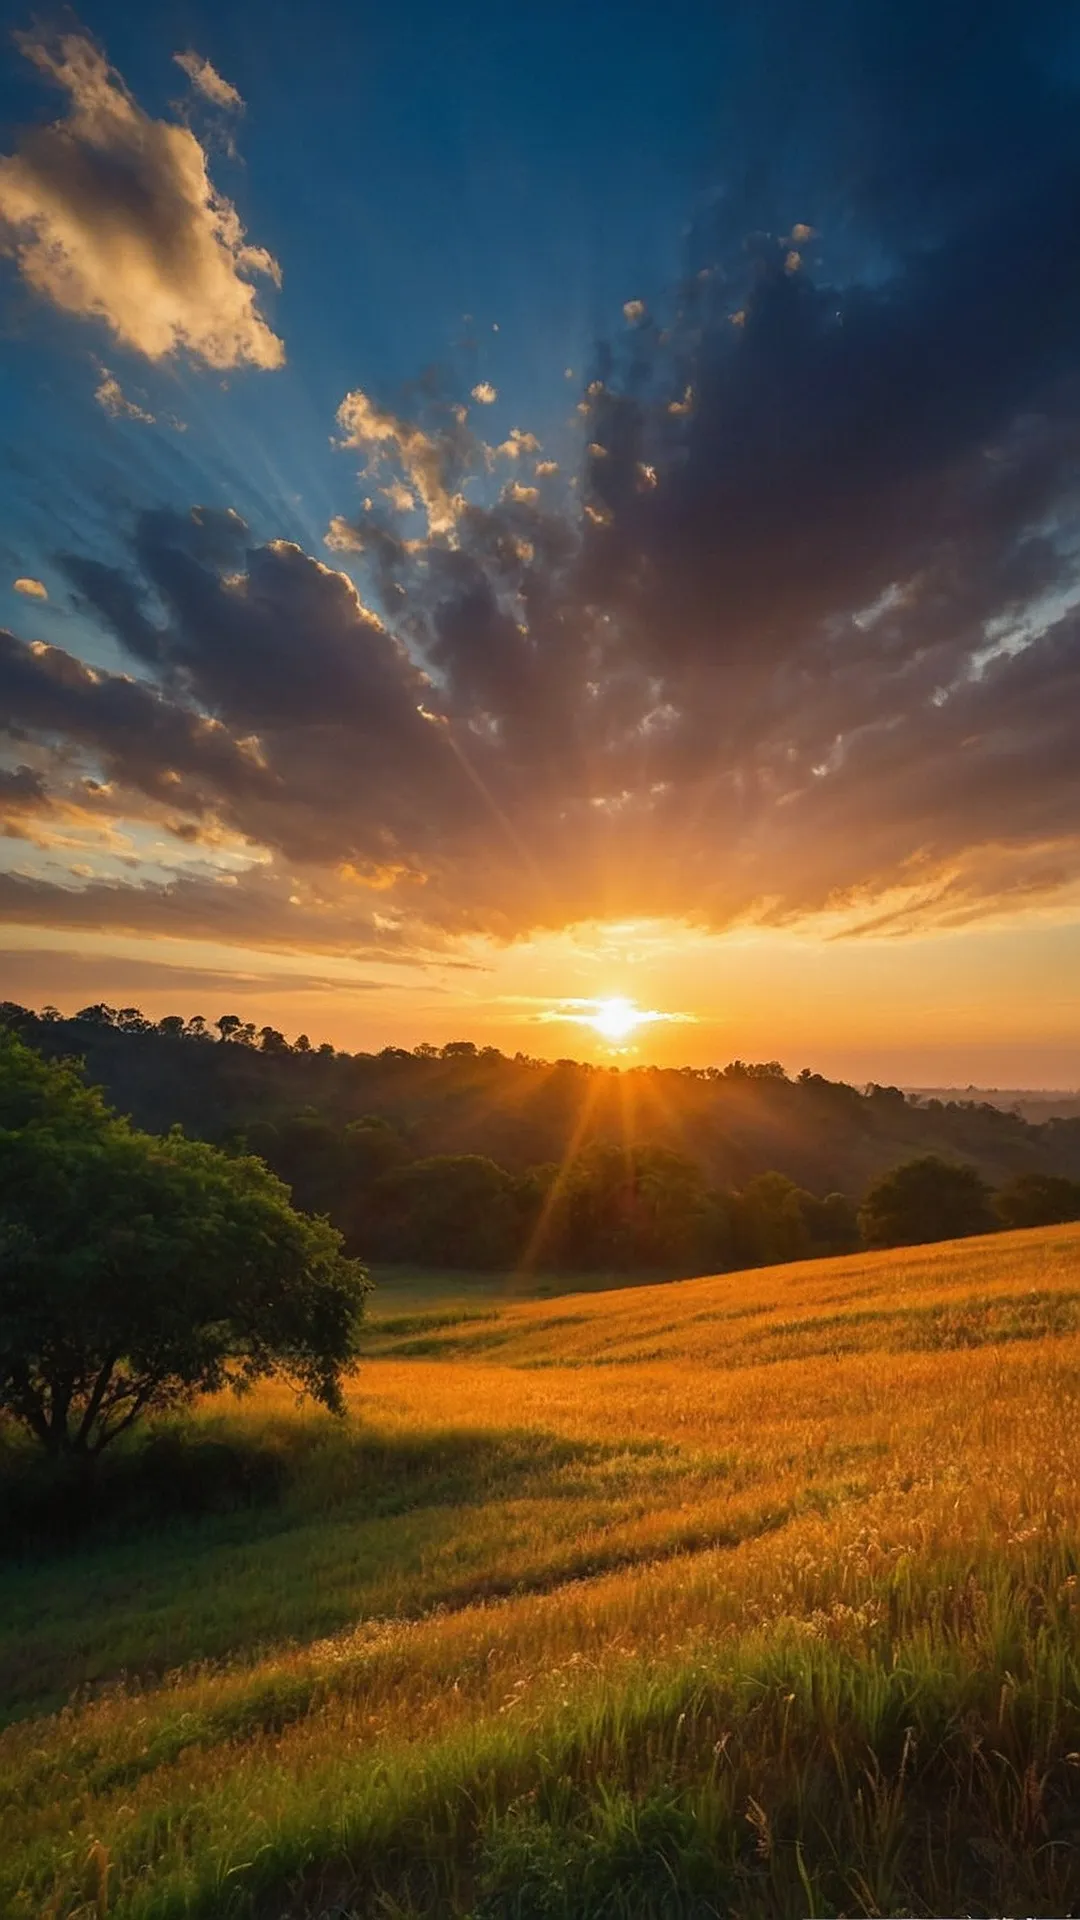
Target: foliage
[
  {"x": 460, "y": 1157},
  {"x": 735, "y": 1121},
  {"x": 620, "y": 1208},
  {"x": 1038, "y": 1200},
  {"x": 455, "y": 1210},
  {"x": 136, "y": 1272},
  {"x": 926, "y": 1199}
]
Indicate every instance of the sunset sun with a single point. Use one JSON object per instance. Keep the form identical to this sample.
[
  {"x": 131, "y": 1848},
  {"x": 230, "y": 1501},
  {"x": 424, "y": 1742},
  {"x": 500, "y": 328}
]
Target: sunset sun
[{"x": 616, "y": 1019}]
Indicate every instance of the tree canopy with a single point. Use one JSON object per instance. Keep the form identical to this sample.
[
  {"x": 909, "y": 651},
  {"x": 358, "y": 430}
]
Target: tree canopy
[
  {"x": 1038, "y": 1200},
  {"x": 137, "y": 1271},
  {"x": 926, "y": 1199}
]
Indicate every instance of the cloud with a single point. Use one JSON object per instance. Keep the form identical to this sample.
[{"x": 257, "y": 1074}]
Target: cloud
[
  {"x": 804, "y": 640},
  {"x": 22, "y": 793},
  {"x": 40, "y": 974},
  {"x": 207, "y": 81},
  {"x": 399, "y": 497},
  {"x": 32, "y": 589},
  {"x": 341, "y": 537},
  {"x": 252, "y": 912},
  {"x": 112, "y": 216},
  {"x": 485, "y": 393},
  {"x": 518, "y": 441},
  {"x": 429, "y": 460},
  {"x": 110, "y": 395}
]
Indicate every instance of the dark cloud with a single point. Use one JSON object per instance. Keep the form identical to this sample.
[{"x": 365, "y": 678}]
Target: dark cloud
[
  {"x": 256, "y": 911},
  {"x": 41, "y": 974},
  {"x": 804, "y": 634}
]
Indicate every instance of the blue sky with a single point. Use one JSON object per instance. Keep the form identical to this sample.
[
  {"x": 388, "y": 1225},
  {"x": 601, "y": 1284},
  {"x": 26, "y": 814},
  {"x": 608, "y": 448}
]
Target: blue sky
[
  {"x": 531, "y": 170},
  {"x": 503, "y": 507}
]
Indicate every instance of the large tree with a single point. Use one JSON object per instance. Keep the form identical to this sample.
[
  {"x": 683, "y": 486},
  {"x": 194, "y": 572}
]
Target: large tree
[
  {"x": 1038, "y": 1200},
  {"x": 137, "y": 1271},
  {"x": 926, "y": 1199}
]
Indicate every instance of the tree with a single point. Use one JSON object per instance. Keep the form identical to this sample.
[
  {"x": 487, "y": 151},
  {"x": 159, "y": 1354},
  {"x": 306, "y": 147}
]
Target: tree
[
  {"x": 228, "y": 1024},
  {"x": 133, "y": 1020},
  {"x": 926, "y": 1199},
  {"x": 137, "y": 1272},
  {"x": 627, "y": 1208},
  {"x": 452, "y": 1209},
  {"x": 1038, "y": 1200}
]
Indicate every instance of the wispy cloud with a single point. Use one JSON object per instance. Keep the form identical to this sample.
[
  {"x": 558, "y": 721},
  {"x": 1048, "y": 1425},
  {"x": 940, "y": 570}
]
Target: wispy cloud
[{"x": 208, "y": 81}]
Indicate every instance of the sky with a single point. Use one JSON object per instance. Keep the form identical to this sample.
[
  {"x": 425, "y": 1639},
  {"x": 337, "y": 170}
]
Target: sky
[{"x": 508, "y": 510}]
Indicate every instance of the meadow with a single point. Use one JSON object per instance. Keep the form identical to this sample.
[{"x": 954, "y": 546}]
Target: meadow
[{"x": 756, "y": 1595}]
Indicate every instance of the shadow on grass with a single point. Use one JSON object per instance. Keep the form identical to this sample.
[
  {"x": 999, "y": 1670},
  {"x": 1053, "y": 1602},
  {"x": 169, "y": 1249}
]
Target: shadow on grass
[
  {"x": 284, "y": 1474},
  {"x": 347, "y": 1524},
  {"x": 51, "y": 1506}
]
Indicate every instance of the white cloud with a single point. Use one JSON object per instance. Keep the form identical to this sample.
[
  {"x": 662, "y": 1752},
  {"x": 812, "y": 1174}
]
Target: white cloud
[
  {"x": 33, "y": 589},
  {"x": 208, "y": 81},
  {"x": 109, "y": 394},
  {"x": 485, "y": 393},
  {"x": 633, "y": 311},
  {"x": 518, "y": 443},
  {"x": 340, "y": 537},
  {"x": 423, "y": 456},
  {"x": 112, "y": 215}
]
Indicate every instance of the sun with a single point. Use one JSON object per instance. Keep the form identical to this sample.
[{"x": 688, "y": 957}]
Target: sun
[{"x": 617, "y": 1018}]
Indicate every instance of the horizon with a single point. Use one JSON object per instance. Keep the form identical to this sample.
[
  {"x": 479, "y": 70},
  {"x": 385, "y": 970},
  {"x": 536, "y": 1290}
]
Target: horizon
[
  {"x": 610, "y": 1058},
  {"x": 556, "y": 535}
]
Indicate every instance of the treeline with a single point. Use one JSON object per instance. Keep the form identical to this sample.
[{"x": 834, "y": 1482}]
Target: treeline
[
  {"x": 609, "y": 1209},
  {"x": 463, "y": 1157},
  {"x": 217, "y": 1077},
  {"x": 622, "y": 1209}
]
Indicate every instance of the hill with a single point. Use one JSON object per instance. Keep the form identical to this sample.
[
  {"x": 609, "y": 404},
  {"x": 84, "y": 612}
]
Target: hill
[
  {"x": 737, "y": 1121},
  {"x": 750, "y": 1595}
]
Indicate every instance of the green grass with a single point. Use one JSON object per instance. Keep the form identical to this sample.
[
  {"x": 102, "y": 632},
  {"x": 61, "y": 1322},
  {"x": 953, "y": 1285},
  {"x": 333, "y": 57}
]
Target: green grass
[
  {"x": 416, "y": 1290},
  {"x": 779, "y": 1615}
]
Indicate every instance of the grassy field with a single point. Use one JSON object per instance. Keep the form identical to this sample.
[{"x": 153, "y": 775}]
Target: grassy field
[{"x": 754, "y": 1596}]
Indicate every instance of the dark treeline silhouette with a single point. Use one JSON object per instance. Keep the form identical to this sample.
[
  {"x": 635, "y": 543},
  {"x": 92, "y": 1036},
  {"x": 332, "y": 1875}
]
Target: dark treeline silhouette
[{"x": 461, "y": 1156}]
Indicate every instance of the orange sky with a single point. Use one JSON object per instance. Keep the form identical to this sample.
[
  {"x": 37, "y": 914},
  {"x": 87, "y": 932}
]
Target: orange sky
[
  {"x": 430, "y": 640},
  {"x": 990, "y": 1006}
]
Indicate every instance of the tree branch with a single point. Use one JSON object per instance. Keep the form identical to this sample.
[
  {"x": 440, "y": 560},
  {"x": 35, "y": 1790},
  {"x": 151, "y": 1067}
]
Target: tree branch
[{"x": 93, "y": 1405}]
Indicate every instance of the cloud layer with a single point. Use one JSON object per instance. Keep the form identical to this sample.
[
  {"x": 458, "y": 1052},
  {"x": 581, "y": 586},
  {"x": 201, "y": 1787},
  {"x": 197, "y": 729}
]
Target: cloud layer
[
  {"x": 112, "y": 216},
  {"x": 803, "y": 639}
]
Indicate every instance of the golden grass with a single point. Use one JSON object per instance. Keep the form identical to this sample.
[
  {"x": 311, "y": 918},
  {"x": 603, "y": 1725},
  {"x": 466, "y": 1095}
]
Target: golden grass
[{"x": 852, "y": 1480}]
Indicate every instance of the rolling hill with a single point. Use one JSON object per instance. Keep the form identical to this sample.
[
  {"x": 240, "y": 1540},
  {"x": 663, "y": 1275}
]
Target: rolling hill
[{"x": 757, "y": 1595}]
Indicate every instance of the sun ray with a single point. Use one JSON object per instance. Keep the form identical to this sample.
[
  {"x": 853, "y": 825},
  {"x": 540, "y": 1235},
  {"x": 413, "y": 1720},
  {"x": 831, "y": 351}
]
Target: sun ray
[{"x": 551, "y": 1198}]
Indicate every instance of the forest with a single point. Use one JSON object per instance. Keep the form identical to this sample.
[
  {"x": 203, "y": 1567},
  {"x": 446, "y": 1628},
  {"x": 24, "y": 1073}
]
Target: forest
[{"x": 463, "y": 1157}]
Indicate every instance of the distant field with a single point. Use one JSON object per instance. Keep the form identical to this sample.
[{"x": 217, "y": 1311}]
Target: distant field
[
  {"x": 402, "y": 1289},
  {"x": 755, "y": 1596}
]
